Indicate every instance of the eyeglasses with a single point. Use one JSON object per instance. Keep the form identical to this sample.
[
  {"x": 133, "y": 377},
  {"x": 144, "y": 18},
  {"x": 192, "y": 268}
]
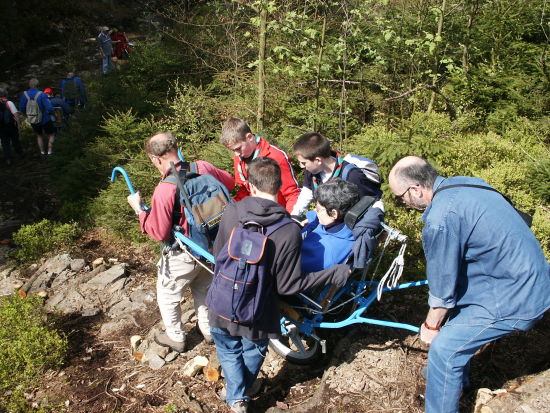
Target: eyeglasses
[{"x": 400, "y": 197}]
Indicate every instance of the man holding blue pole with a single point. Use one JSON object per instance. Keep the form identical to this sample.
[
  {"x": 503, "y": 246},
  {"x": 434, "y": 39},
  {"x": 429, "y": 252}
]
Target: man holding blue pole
[{"x": 177, "y": 269}]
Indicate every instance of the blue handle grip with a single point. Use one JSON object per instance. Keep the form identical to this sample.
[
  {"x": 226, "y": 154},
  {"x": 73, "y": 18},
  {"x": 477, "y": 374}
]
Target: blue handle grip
[
  {"x": 191, "y": 244},
  {"x": 126, "y": 178}
]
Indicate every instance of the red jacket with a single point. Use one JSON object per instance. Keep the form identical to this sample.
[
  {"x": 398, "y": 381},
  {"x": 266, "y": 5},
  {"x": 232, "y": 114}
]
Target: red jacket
[
  {"x": 290, "y": 190},
  {"x": 157, "y": 221}
]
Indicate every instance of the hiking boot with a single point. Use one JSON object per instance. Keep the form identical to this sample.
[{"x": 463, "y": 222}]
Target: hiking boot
[
  {"x": 162, "y": 339},
  {"x": 240, "y": 406},
  {"x": 255, "y": 389}
]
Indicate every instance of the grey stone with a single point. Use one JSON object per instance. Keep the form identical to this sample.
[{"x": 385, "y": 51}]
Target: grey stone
[
  {"x": 156, "y": 362},
  {"x": 77, "y": 264},
  {"x": 157, "y": 349},
  {"x": 143, "y": 346},
  {"x": 49, "y": 271},
  {"x": 171, "y": 356},
  {"x": 60, "y": 280},
  {"x": 187, "y": 316},
  {"x": 67, "y": 302},
  {"x": 90, "y": 312},
  {"x": 117, "y": 285},
  {"x": 108, "y": 277},
  {"x": 142, "y": 296}
]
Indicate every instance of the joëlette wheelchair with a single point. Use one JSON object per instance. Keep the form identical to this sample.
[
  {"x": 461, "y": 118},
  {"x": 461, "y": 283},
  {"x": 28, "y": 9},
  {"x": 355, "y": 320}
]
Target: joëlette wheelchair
[
  {"x": 333, "y": 308},
  {"x": 328, "y": 307}
]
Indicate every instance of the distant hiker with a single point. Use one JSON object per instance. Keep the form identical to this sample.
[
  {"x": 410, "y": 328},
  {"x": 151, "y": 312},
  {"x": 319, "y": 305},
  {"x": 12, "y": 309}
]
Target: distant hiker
[
  {"x": 72, "y": 90},
  {"x": 237, "y": 137},
  {"x": 321, "y": 164},
  {"x": 176, "y": 268},
  {"x": 106, "y": 50},
  {"x": 10, "y": 123},
  {"x": 487, "y": 272},
  {"x": 120, "y": 41},
  {"x": 38, "y": 109},
  {"x": 62, "y": 110},
  {"x": 242, "y": 344}
]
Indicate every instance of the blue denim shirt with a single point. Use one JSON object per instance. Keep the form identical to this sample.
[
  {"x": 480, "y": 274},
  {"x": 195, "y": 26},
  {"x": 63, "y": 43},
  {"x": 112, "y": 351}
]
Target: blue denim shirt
[{"x": 481, "y": 254}]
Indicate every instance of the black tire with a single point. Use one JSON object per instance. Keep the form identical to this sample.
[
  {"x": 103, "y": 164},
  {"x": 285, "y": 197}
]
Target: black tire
[{"x": 296, "y": 347}]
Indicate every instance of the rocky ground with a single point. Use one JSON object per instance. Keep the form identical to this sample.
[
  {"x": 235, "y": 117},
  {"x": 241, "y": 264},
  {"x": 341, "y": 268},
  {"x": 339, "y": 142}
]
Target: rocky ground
[{"x": 104, "y": 299}]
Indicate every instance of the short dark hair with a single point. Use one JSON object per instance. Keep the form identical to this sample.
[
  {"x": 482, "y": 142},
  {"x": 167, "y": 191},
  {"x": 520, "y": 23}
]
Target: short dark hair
[
  {"x": 337, "y": 194},
  {"x": 3, "y": 93},
  {"x": 312, "y": 145},
  {"x": 265, "y": 174},
  {"x": 420, "y": 172},
  {"x": 160, "y": 144}
]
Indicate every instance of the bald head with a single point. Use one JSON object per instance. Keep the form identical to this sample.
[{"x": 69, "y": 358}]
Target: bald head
[
  {"x": 412, "y": 170},
  {"x": 411, "y": 179},
  {"x": 161, "y": 144}
]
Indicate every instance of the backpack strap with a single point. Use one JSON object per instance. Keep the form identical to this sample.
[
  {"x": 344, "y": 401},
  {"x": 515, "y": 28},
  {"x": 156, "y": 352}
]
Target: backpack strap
[
  {"x": 528, "y": 219},
  {"x": 346, "y": 170},
  {"x": 270, "y": 229}
]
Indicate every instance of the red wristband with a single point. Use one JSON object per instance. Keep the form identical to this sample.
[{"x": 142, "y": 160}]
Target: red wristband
[{"x": 430, "y": 327}]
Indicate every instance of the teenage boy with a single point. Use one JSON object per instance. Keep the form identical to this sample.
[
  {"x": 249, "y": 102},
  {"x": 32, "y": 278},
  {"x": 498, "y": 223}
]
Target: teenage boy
[
  {"x": 176, "y": 269},
  {"x": 242, "y": 348},
  {"x": 238, "y": 137},
  {"x": 321, "y": 163}
]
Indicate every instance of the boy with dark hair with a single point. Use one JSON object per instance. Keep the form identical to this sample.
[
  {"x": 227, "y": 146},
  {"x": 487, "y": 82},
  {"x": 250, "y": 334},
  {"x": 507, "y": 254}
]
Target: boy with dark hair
[
  {"x": 321, "y": 164},
  {"x": 238, "y": 137},
  {"x": 242, "y": 348}
]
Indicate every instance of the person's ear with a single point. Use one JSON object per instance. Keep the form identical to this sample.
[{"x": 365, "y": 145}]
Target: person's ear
[
  {"x": 250, "y": 137},
  {"x": 333, "y": 213}
]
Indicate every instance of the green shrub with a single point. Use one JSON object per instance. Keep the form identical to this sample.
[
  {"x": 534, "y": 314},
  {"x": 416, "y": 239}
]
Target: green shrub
[
  {"x": 28, "y": 346},
  {"x": 34, "y": 240}
]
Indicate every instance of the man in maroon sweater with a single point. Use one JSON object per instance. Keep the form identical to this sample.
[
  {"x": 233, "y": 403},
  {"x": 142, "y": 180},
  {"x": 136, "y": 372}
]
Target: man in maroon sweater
[{"x": 176, "y": 268}]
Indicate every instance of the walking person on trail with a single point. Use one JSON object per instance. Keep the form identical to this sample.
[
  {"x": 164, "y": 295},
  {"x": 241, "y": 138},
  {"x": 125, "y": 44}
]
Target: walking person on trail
[
  {"x": 10, "y": 124},
  {"x": 176, "y": 268},
  {"x": 106, "y": 50},
  {"x": 72, "y": 90},
  {"x": 241, "y": 345},
  {"x": 238, "y": 138},
  {"x": 487, "y": 274},
  {"x": 38, "y": 109},
  {"x": 62, "y": 110}
]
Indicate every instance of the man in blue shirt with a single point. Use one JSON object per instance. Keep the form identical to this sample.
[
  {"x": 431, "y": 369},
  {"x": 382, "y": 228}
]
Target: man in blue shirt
[
  {"x": 487, "y": 274},
  {"x": 72, "y": 90},
  {"x": 106, "y": 50},
  {"x": 39, "y": 119}
]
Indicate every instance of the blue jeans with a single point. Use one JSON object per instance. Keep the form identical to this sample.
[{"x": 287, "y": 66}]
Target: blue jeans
[
  {"x": 107, "y": 64},
  {"x": 241, "y": 360},
  {"x": 450, "y": 354}
]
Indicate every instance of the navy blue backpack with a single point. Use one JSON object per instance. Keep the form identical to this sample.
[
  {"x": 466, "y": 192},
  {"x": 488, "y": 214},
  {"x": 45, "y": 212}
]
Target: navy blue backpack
[{"x": 241, "y": 281}]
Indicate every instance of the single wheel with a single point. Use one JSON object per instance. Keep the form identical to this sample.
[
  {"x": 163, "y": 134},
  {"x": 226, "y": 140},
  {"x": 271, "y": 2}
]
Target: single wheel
[{"x": 295, "y": 346}]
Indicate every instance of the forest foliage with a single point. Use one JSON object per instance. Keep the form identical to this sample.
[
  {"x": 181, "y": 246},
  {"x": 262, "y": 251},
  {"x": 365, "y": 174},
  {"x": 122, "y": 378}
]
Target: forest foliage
[{"x": 462, "y": 83}]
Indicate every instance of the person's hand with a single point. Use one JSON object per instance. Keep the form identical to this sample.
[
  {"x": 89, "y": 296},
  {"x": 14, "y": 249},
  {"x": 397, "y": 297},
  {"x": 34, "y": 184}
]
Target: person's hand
[
  {"x": 341, "y": 275},
  {"x": 427, "y": 335},
  {"x": 135, "y": 202},
  {"x": 304, "y": 222}
]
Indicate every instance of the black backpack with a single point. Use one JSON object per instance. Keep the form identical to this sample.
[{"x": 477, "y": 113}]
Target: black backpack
[
  {"x": 242, "y": 281},
  {"x": 6, "y": 117},
  {"x": 70, "y": 91}
]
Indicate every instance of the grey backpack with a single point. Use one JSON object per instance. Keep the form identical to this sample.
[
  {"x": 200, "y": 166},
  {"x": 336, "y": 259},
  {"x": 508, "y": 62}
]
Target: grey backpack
[{"x": 34, "y": 114}]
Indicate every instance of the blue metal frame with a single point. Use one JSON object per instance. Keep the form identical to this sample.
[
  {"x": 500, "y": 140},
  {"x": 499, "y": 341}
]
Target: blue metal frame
[{"x": 308, "y": 325}]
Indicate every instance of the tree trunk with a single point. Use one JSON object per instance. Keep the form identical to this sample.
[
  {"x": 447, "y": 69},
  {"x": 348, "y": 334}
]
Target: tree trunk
[
  {"x": 261, "y": 71},
  {"x": 436, "y": 66},
  {"x": 318, "y": 78}
]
